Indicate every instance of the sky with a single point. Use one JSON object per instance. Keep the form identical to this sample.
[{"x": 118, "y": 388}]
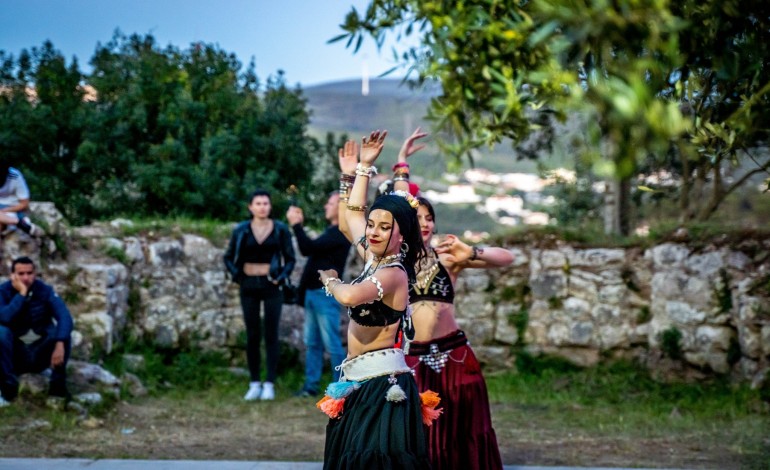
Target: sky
[{"x": 290, "y": 35}]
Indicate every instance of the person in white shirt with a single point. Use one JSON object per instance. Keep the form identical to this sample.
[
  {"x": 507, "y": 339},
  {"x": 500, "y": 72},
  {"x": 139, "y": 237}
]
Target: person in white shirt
[{"x": 14, "y": 201}]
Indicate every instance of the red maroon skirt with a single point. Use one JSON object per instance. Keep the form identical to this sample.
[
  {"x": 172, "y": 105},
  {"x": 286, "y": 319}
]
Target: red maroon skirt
[{"x": 463, "y": 438}]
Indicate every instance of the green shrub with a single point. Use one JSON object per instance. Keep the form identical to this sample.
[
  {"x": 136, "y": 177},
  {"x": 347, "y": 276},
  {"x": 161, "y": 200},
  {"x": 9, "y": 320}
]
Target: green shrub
[{"x": 671, "y": 343}]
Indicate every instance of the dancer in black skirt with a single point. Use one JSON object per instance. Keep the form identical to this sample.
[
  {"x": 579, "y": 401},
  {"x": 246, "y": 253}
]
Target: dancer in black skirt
[{"x": 377, "y": 416}]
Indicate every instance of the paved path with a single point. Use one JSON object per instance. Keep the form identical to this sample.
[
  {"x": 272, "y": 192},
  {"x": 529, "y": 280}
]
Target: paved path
[{"x": 111, "y": 464}]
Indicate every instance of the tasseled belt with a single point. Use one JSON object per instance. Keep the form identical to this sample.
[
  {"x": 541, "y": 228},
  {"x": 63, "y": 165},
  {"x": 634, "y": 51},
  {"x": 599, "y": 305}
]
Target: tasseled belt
[
  {"x": 374, "y": 364},
  {"x": 356, "y": 371}
]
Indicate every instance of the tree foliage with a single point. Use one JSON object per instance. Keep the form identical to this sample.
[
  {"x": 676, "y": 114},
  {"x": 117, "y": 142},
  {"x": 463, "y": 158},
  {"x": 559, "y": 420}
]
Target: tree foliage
[
  {"x": 152, "y": 131},
  {"x": 657, "y": 81}
]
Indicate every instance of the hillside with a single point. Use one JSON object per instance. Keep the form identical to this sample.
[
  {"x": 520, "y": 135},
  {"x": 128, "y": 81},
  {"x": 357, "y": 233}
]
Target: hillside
[{"x": 340, "y": 107}]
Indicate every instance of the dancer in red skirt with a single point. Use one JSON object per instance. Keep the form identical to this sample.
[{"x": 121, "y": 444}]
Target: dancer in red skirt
[{"x": 440, "y": 354}]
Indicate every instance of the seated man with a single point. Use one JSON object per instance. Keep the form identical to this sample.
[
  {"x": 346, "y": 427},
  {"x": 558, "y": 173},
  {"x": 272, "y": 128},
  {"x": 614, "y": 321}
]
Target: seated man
[
  {"x": 14, "y": 200},
  {"x": 28, "y": 304}
]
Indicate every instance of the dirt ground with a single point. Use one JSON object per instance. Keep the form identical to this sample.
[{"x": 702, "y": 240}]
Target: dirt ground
[{"x": 293, "y": 430}]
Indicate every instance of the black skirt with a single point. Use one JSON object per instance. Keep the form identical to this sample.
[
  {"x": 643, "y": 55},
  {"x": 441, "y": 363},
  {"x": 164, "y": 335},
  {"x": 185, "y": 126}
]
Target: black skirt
[{"x": 374, "y": 433}]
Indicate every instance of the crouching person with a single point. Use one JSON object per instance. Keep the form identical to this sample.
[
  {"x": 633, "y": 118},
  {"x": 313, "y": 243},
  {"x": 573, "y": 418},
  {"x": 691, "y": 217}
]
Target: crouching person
[{"x": 29, "y": 304}]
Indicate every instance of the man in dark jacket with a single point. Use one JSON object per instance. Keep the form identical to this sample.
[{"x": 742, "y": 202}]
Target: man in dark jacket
[
  {"x": 29, "y": 305},
  {"x": 322, "y": 313}
]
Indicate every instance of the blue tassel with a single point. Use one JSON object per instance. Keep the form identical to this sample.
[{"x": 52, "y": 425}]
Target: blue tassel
[{"x": 339, "y": 390}]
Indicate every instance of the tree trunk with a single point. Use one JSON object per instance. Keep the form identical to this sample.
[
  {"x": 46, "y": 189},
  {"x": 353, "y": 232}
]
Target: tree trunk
[
  {"x": 684, "y": 195},
  {"x": 617, "y": 196}
]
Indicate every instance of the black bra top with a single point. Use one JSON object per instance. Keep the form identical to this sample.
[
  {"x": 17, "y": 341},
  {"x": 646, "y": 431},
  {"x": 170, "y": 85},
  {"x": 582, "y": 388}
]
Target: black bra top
[
  {"x": 255, "y": 252},
  {"x": 375, "y": 313},
  {"x": 435, "y": 286}
]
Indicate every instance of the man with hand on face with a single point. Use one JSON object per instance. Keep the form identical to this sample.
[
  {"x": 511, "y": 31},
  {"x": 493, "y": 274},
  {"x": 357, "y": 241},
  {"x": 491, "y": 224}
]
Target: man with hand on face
[
  {"x": 322, "y": 313},
  {"x": 29, "y": 304}
]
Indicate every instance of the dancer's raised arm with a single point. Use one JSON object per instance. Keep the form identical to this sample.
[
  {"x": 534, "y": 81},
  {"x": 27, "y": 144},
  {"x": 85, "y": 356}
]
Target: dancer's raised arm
[
  {"x": 401, "y": 168},
  {"x": 348, "y": 159},
  {"x": 355, "y": 216}
]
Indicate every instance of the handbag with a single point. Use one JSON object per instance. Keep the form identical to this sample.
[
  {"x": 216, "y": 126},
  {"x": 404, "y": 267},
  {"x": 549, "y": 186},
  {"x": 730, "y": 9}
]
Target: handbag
[{"x": 290, "y": 292}]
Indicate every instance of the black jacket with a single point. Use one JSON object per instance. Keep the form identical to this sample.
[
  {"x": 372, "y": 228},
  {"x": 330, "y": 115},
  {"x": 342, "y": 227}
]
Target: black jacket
[
  {"x": 328, "y": 251},
  {"x": 282, "y": 263}
]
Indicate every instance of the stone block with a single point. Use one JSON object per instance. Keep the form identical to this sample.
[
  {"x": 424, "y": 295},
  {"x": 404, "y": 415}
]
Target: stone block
[
  {"x": 548, "y": 285},
  {"x": 667, "y": 255},
  {"x": 597, "y": 258},
  {"x": 165, "y": 253}
]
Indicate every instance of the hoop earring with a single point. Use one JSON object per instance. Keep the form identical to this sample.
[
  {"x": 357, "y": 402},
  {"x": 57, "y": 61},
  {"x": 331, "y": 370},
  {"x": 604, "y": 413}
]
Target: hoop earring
[{"x": 404, "y": 248}]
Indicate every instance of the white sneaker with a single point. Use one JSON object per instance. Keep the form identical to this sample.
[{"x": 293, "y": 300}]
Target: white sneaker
[
  {"x": 254, "y": 393},
  {"x": 268, "y": 392},
  {"x": 3, "y": 402}
]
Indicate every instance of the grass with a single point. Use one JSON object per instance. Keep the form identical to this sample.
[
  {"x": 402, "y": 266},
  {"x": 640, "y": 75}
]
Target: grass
[
  {"x": 216, "y": 231},
  {"x": 177, "y": 375},
  {"x": 546, "y": 400},
  {"x": 621, "y": 401}
]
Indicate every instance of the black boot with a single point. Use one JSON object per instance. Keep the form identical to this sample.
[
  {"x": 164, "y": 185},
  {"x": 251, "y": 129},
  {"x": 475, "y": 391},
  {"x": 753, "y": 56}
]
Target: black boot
[{"x": 59, "y": 389}]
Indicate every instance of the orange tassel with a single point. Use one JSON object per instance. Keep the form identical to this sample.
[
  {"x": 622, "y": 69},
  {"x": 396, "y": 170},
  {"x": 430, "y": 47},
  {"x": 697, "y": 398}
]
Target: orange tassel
[
  {"x": 325, "y": 397},
  {"x": 430, "y": 401},
  {"x": 430, "y": 398},
  {"x": 331, "y": 407},
  {"x": 429, "y": 415}
]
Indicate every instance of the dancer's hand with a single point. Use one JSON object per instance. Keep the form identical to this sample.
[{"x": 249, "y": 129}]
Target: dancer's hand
[
  {"x": 455, "y": 250},
  {"x": 371, "y": 147},
  {"x": 409, "y": 147},
  {"x": 348, "y": 157},
  {"x": 324, "y": 274}
]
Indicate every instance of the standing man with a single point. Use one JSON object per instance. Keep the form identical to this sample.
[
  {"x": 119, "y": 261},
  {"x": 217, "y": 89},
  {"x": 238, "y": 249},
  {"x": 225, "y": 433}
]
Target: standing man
[
  {"x": 322, "y": 313},
  {"x": 29, "y": 304},
  {"x": 14, "y": 200}
]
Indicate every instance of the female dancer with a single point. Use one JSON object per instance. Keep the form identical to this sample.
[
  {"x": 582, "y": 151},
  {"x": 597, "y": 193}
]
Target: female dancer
[
  {"x": 376, "y": 414},
  {"x": 259, "y": 258},
  {"x": 440, "y": 354}
]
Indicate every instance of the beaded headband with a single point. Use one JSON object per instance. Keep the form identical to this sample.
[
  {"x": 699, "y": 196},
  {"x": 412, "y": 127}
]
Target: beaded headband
[{"x": 409, "y": 198}]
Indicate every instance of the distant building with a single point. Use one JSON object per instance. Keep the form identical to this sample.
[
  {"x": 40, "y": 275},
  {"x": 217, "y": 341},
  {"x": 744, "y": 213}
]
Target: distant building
[{"x": 456, "y": 194}]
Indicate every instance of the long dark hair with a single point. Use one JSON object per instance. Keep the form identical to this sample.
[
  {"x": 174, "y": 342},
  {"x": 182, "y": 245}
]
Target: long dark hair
[{"x": 406, "y": 218}]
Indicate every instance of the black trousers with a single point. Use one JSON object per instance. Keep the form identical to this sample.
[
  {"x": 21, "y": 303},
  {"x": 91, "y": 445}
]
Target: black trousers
[
  {"x": 17, "y": 357},
  {"x": 256, "y": 291}
]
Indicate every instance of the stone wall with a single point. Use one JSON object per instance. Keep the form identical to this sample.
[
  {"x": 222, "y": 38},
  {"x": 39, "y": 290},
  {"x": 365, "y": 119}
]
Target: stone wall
[{"x": 683, "y": 310}]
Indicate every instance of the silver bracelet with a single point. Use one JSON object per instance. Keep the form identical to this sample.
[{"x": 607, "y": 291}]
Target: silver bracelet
[
  {"x": 367, "y": 171},
  {"x": 326, "y": 285}
]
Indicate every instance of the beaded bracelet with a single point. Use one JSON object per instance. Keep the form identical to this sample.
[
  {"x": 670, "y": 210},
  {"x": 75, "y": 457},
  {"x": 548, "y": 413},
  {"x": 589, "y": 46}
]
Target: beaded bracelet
[
  {"x": 365, "y": 170},
  {"x": 326, "y": 285}
]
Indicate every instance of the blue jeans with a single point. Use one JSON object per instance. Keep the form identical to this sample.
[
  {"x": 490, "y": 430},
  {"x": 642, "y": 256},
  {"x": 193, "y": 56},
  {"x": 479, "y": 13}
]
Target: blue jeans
[{"x": 322, "y": 331}]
